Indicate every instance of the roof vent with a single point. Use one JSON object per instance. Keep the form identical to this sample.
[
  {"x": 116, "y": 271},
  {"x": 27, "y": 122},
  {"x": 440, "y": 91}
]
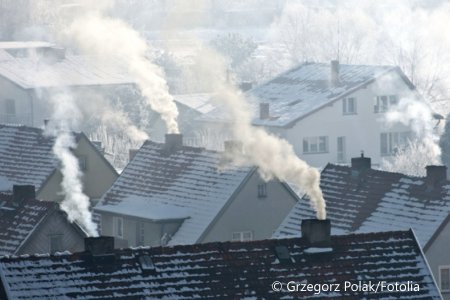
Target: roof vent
[
  {"x": 334, "y": 72},
  {"x": 361, "y": 163},
  {"x": 316, "y": 232},
  {"x": 436, "y": 174},
  {"x": 264, "y": 111},
  {"x": 173, "y": 142},
  {"x": 21, "y": 193}
]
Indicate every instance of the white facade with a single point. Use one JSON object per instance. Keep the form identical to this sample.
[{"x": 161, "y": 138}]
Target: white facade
[{"x": 359, "y": 131}]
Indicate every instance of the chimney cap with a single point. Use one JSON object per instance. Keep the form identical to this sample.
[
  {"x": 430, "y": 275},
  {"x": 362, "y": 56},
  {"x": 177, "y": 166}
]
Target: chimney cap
[
  {"x": 361, "y": 163},
  {"x": 173, "y": 142}
]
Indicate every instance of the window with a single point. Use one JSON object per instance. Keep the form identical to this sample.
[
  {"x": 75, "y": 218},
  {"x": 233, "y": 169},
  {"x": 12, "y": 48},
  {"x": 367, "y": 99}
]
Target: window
[
  {"x": 384, "y": 103},
  {"x": 118, "y": 227},
  {"x": 242, "y": 236},
  {"x": 262, "y": 190},
  {"x": 82, "y": 161},
  {"x": 444, "y": 278},
  {"x": 317, "y": 144},
  {"x": 56, "y": 243},
  {"x": 349, "y": 106},
  {"x": 391, "y": 142},
  {"x": 140, "y": 233},
  {"x": 341, "y": 149}
]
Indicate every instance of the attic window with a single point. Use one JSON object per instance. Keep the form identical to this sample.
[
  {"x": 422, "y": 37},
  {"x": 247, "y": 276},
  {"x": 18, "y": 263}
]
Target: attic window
[
  {"x": 283, "y": 255},
  {"x": 146, "y": 263}
]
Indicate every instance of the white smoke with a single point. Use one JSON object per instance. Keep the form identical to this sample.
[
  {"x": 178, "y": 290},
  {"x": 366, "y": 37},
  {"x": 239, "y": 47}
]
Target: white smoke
[
  {"x": 113, "y": 41},
  {"x": 75, "y": 203},
  {"x": 274, "y": 157}
]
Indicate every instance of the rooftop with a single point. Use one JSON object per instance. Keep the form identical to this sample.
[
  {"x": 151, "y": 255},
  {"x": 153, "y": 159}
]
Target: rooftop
[
  {"x": 375, "y": 200},
  {"x": 230, "y": 270},
  {"x": 18, "y": 221},
  {"x": 304, "y": 89},
  {"x": 188, "y": 181}
]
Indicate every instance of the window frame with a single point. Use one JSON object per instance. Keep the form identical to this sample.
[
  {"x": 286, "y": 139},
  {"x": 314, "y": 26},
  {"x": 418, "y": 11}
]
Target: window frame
[
  {"x": 390, "y": 101},
  {"x": 82, "y": 162},
  {"x": 312, "y": 145},
  {"x": 262, "y": 190},
  {"x": 241, "y": 235},
  {"x": 115, "y": 227},
  {"x": 346, "y": 105},
  {"x": 444, "y": 267},
  {"x": 51, "y": 238},
  {"x": 392, "y": 141},
  {"x": 140, "y": 233},
  {"x": 341, "y": 155}
]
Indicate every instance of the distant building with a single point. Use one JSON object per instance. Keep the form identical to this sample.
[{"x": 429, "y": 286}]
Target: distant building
[
  {"x": 229, "y": 270},
  {"x": 174, "y": 194},
  {"x": 29, "y": 226},
  {"x": 330, "y": 112},
  {"x": 361, "y": 199},
  {"x": 27, "y": 158}
]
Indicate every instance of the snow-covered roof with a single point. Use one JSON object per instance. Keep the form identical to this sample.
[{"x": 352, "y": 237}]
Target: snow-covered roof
[
  {"x": 187, "y": 179},
  {"x": 303, "y": 90},
  {"x": 25, "y": 44},
  {"x": 227, "y": 270},
  {"x": 201, "y": 102},
  {"x": 375, "y": 200},
  {"x": 30, "y": 73},
  {"x": 18, "y": 222},
  {"x": 26, "y": 156}
]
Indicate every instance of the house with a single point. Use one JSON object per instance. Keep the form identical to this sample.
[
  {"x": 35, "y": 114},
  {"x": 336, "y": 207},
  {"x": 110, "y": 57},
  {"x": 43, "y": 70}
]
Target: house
[
  {"x": 176, "y": 194},
  {"x": 294, "y": 268},
  {"x": 29, "y": 226},
  {"x": 330, "y": 111},
  {"x": 26, "y": 158},
  {"x": 30, "y": 72},
  {"x": 361, "y": 199}
]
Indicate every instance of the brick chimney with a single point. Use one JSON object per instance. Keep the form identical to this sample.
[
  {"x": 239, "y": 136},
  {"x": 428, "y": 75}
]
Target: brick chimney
[
  {"x": 21, "y": 193},
  {"x": 101, "y": 251},
  {"x": 435, "y": 175},
  {"x": 316, "y": 233},
  {"x": 361, "y": 163},
  {"x": 334, "y": 72},
  {"x": 264, "y": 111},
  {"x": 173, "y": 142}
]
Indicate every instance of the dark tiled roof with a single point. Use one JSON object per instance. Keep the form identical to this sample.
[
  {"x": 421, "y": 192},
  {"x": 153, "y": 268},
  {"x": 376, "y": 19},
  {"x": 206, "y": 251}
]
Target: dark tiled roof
[
  {"x": 18, "y": 222},
  {"x": 26, "y": 156},
  {"x": 186, "y": 184},
  {"x": 304, "y": 89},
  {"x": 231, "y": 270},
  {"x": 375, "y": 201}
]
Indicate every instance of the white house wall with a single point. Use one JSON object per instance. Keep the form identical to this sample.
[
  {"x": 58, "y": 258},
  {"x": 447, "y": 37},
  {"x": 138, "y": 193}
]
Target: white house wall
[
  {"x": 22, "y": 100},
  {"x": 361, "y": 130}
]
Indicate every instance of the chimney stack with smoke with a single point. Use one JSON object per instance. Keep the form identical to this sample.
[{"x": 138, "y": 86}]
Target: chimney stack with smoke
[
  {"x": 436, "y": 175},
  {"x": 334, "y": 72},
  {"x": 174, "y": 142},
  {"x": 316, "y": 233},
  {"x": 264, "y": 111}
]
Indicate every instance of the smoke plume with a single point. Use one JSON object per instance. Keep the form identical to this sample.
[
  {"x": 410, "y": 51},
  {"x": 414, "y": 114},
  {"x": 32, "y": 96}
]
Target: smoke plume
[
  {"x": 75, "y": 202},
  {"x": 116, "y": 42},
  {"x": 274, "y": 157}
]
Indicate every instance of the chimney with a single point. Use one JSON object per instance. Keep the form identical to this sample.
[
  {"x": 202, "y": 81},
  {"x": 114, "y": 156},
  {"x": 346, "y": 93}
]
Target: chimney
[
  {"x": 102, "y": 245},
  {"x": 132, "y": 153},
  {"x": 264, "y": 111},
  {"x": 316, "y": 232},
  {"x": 21, "y": 193},
  {"x": 46, "y": 121},
  {"x": 334, "y": 72},
  {"x": 174, "y": 142},
  {"x": 436, "y": 175},
  {"x": 361, "y": 163}
]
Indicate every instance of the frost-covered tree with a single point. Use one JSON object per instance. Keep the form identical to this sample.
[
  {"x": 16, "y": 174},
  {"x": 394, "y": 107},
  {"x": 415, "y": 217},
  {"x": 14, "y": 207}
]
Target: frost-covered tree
[
  {"x": 411, "y": 159},
  {"x": 235, "y": 47}
]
